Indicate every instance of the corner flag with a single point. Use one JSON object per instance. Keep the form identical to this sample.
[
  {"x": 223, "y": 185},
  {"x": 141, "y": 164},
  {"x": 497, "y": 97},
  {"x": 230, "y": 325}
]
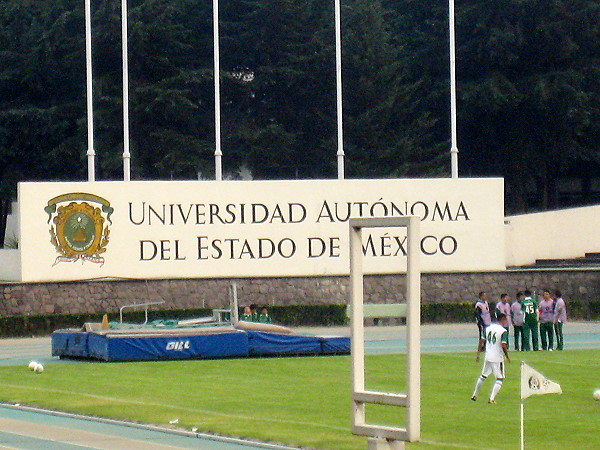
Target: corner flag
[{"x": 534, "y": 383}]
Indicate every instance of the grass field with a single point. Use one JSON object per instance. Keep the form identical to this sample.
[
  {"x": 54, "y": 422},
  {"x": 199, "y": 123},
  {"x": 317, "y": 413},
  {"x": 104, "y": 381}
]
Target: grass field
[{"x": 306, "y": 401}]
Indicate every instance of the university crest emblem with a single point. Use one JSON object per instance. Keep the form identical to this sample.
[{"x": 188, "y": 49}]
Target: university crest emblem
[
  {"x": 79, "y": 230},
  {"x": 534, "y": 383}
]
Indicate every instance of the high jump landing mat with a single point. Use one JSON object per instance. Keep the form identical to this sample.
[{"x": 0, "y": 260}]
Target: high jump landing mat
[{"x": 226, "y": 341}]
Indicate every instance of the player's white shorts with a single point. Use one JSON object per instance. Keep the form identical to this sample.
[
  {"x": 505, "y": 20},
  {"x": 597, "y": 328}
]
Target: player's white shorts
[{"x": 497, "y": 368}]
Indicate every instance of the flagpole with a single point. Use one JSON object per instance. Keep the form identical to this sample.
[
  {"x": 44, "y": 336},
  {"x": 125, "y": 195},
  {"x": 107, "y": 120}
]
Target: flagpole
[
  {"x": 522, "y": 430},
  {"x": 338, "y": 85},
  {"x": 126, "y": 152},
  {"x": 91, "y": 154},
  {"x": 217, "y": 88},
  {"x": 454, "y": 141},
  {"x": 522, "y": 410}
]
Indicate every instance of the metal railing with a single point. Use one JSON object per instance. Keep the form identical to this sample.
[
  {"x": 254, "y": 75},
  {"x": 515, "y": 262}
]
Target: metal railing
[{"x": 133, "y": 305}]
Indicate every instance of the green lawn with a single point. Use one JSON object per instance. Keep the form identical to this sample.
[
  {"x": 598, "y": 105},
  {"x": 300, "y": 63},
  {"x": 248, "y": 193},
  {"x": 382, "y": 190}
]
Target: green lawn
[{"x": 306, "y": 401}]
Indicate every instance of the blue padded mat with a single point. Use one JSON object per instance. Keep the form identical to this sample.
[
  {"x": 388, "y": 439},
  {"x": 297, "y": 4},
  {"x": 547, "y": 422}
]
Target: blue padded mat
[{"x": 235, "y": 343}]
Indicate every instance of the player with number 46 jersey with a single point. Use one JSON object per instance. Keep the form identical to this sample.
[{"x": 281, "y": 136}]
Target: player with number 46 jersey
[{"x": 496, "y": 348}]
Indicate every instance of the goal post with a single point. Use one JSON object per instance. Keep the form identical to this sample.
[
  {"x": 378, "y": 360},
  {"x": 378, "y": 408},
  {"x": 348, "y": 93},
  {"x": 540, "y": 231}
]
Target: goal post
[{"x": 412, "y": 399}]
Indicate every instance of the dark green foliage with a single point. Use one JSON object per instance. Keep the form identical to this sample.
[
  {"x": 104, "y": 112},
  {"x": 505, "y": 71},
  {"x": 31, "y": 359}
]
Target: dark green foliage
[
  {"x": 580, "y": 310},
  {"x": 447, "y": 312},
  {"x": 529, "y": 91},
  {"x": 386, "y": 127},
  {"x": 40, "y": 111},
  {"x": 527, "y": 85},
  {"x": 292, "y": 315},
  {"x": 277, "y": 86},
  {"x": 593, "y": 310},
  {"x": 40, "y": 325},
  {"x": 528, "y": 76},
  {"x": 289, "y": 315},
  {"x": 303, "y": 315},
  {"x": 463, "y": 312}
]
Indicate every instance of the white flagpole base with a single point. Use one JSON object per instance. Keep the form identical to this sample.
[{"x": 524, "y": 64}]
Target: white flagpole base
[{"x": 522, "y": 428}]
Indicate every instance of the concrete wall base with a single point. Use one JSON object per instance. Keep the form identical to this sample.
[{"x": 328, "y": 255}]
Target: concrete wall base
[{"x": 108, "y": 296}]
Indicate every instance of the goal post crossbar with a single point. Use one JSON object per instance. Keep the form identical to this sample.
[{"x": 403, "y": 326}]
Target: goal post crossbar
[{"x": 412, "y": 399}]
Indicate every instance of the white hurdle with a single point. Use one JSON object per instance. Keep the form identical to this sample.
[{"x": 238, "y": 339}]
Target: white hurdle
[{"x": 386, "y": 437}]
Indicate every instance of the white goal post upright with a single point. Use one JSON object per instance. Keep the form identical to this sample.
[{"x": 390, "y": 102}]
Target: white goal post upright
[{"x": 412, "y": 399}]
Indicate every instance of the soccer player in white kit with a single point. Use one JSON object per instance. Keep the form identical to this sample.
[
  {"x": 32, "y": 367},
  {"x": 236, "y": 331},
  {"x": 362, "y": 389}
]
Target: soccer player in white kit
[{"x": 496, "y": 348}]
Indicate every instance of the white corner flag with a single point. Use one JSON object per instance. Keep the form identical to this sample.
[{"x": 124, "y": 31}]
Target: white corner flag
[{"x": 534, "y": 383}]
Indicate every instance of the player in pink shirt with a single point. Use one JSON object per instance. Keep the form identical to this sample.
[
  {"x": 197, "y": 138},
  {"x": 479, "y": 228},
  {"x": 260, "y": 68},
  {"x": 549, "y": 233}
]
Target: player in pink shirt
[
  {"x": 516, "y": 315},
  {"x": 547, "y": 321},
  {"x": 482, "y": 313},
  {"x": 503, "y": 307},
  {"x": 560, "y": 317}
]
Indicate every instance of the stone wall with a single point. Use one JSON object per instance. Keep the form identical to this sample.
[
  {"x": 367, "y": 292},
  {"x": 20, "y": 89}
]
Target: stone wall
[{"x": 108, "y": 296}]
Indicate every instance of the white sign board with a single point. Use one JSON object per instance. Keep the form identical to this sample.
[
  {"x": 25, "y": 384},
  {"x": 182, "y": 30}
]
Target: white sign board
[{"x": 208, "y": 229}]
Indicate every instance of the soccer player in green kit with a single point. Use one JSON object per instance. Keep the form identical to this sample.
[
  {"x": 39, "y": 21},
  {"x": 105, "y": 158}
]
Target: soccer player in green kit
[
  {"x": 247, "y": 316},
  {"x": 530, "y": 310}
]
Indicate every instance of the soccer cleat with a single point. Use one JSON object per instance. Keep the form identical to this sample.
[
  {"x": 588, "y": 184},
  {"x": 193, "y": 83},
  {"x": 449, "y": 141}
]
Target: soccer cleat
[
  {"x": 474, "y": 398},
  {"x": 491, "y": 402}
]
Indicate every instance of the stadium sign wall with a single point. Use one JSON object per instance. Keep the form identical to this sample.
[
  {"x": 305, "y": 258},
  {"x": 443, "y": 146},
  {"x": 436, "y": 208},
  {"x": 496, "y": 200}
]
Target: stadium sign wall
[{"x": 208, "y": 229}]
